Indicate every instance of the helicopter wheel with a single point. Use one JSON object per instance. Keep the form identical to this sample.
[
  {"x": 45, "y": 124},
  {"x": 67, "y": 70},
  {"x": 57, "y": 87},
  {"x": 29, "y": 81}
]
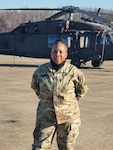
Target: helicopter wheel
[{"x": 96, "y": 62}]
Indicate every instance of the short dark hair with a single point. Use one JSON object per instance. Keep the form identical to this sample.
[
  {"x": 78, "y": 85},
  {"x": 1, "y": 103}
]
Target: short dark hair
[{"x": 60, "y": 40}]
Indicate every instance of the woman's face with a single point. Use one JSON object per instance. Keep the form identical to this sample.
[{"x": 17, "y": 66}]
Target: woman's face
[{"x": 59, "y": 53}]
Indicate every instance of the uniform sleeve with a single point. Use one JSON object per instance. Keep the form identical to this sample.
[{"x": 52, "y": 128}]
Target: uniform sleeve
[
  {"x": 34, "y": 82},
  {"x": 80, "y": 85}
]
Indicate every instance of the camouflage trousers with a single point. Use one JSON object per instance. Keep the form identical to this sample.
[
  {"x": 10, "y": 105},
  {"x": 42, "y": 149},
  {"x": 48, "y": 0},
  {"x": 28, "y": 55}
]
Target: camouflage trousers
[{"x": 66, "y": 135}]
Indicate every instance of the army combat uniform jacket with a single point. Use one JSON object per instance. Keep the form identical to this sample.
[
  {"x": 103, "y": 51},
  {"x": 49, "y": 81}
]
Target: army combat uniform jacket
[{"x": 58, "y": 92}]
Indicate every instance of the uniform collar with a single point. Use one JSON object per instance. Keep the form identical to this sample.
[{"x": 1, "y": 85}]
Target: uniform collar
[{"x": 56, "y": 66}]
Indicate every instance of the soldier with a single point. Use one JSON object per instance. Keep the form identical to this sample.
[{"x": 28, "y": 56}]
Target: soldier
[{"x": 59, "y": 85}]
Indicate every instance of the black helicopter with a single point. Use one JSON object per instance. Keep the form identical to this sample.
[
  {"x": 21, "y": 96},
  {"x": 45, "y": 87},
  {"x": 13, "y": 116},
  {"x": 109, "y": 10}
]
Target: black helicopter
[{"x": 90, "y": 38}]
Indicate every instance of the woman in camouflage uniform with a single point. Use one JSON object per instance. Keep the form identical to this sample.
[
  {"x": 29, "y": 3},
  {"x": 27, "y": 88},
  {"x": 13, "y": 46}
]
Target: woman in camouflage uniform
[{"x": 59, "y": 85}]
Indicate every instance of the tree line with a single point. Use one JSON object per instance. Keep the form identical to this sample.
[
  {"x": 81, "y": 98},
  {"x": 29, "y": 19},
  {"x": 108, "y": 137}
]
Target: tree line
[{"x": 9, "y": 20}]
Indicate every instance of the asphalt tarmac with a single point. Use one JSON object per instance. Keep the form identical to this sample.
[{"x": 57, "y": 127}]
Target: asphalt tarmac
[{"x": 18, "y": 104}]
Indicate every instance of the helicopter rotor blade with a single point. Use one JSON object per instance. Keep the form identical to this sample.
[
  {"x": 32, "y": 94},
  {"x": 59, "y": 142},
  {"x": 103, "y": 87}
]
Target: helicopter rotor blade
[
  {"x": 92, "y": 15},
  {"x": 48, "y": 9},
  {"x": 68, "y": 9}
]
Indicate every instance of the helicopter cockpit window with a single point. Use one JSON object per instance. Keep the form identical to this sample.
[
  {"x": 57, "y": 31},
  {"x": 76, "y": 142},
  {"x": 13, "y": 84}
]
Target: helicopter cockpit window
[
  {"x": 105, "y": 40},
  {"x": 51, "y": 40},
  {"x": 53, "y": 37}
]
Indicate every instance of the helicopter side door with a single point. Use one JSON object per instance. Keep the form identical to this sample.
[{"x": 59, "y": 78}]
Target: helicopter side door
[
  {"x": 107, "y": 45},
  {"x": 84, "y": 47}
]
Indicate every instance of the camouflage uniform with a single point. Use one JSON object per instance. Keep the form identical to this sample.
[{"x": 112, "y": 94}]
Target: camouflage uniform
[{"x": 58, "y": 110}]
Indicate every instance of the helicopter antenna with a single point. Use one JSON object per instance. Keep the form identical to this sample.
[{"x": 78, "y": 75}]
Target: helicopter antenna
[{"x": 98, "y": 11}]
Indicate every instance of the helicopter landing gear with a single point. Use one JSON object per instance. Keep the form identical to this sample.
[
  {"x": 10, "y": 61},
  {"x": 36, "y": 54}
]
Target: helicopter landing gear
[{"x": 96, "y": 62}]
